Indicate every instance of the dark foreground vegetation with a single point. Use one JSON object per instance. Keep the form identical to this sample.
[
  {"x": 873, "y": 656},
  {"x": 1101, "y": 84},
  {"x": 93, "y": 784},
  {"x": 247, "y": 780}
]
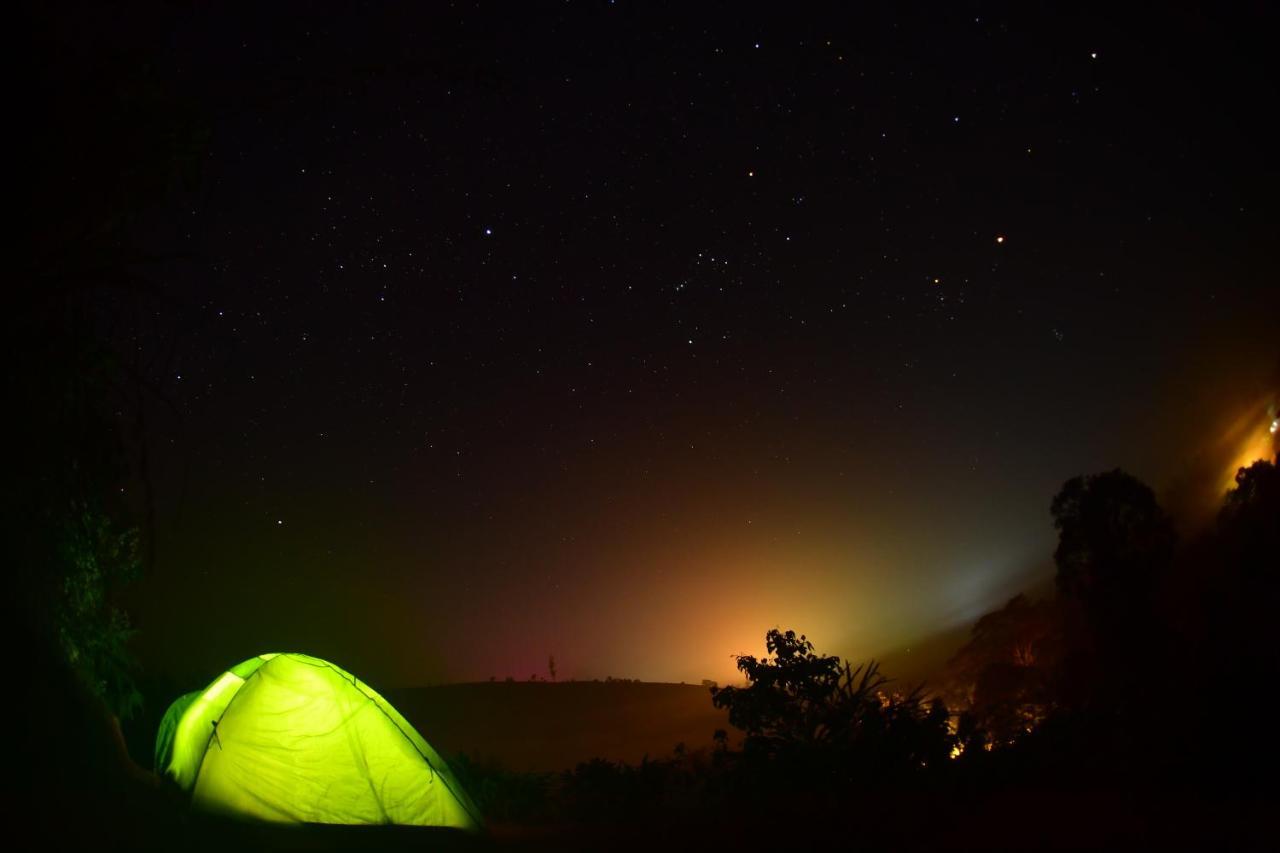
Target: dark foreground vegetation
[
  {"x": 1130, "y": 710},
  {"x": 1116, "y": 714}
]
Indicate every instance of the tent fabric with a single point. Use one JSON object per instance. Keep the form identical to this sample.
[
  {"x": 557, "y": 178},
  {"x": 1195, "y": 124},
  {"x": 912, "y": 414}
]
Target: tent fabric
[
  {"x": 293, "y": 738},
  {"x": 168, "y": 730}
]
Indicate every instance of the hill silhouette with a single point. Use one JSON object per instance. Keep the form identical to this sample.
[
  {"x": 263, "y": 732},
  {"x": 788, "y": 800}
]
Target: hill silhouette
[{"x": 543, "y": 726}]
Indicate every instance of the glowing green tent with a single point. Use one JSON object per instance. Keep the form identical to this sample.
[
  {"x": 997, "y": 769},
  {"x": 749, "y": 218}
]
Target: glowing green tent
[{"x": 292, "y": 738}]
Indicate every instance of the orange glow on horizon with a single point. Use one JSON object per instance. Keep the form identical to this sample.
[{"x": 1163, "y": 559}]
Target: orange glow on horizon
[{"x": 1256, "y": 440}]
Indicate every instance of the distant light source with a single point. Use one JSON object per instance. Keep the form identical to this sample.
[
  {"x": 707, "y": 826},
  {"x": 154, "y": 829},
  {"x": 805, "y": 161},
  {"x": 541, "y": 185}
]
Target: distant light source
[
  {"x": 999, "y": 238},
  {"x": 1275, "y": 426}
]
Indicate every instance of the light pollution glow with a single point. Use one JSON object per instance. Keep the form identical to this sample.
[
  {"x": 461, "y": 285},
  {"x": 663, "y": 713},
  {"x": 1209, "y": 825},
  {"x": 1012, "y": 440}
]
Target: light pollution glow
[
  {"x": 1244, "y": 434},
  {"x": 1254, "y": 439}
]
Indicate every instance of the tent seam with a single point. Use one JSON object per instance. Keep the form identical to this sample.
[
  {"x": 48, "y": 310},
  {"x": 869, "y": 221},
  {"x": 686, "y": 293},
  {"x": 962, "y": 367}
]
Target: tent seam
[{"x": 214, "y": 733}]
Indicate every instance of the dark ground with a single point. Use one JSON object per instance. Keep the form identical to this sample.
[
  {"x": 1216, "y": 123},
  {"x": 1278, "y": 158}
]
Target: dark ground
[{"x": 70, "y": 779}]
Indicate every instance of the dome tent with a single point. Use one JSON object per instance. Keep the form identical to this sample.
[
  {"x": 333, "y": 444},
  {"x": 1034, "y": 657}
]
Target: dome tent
[{"x": 293, "y": 738}]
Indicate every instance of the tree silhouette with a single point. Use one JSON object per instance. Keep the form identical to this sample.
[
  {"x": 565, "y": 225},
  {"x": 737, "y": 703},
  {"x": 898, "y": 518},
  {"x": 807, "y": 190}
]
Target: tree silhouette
[
  {"x": 1240, "y": 594},
  {"x": 114, "y": 142},
  {"x": 1249, "y": 522},
  {"x": 1241, "y": 586},
  {"x": 1115, "y": 552},
  {"x": 1113, "y": 538},
  {"x": 791, "y": 696},
  {"x": 835, "y": 721},
  {"x": 1003, "y": 673}
]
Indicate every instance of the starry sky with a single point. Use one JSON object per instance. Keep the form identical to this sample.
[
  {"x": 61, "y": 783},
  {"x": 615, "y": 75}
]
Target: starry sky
[{"x": 624, "y": 332}]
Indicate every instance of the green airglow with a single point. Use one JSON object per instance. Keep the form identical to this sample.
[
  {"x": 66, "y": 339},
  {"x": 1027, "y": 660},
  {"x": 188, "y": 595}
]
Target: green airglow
[{"x": 293, "y": 738}]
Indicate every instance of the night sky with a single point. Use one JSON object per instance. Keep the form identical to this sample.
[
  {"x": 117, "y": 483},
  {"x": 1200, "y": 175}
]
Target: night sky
[{"x": 624, "y": 332}]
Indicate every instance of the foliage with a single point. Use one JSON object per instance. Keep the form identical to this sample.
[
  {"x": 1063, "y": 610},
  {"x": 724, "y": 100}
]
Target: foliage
[
  {"x": 599, "y": 790},
  {"x": 1002, "y": 675},
  {"x": 791, "y": 697},
  {"x": 1113, "y": 539},
  {"x": 817, "y": 710},
  {"x": 1249, "y": 524},
  {"x": 1080, "y": 685},
  {"x": 503, "y": 796},
  {"x": 96, "y": 557},
  {"x": 594, "y": 791},
  {"x": 114, "y": 142}
]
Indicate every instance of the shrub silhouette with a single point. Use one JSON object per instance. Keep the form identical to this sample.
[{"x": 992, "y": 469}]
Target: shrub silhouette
[
  {"x": 834, "y": 721},
  {"x": 503, "y": 796}
]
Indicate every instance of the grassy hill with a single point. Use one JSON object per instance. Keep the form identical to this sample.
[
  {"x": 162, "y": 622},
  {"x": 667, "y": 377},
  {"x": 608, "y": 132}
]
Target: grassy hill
[{"x": 541, "y": 726}]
